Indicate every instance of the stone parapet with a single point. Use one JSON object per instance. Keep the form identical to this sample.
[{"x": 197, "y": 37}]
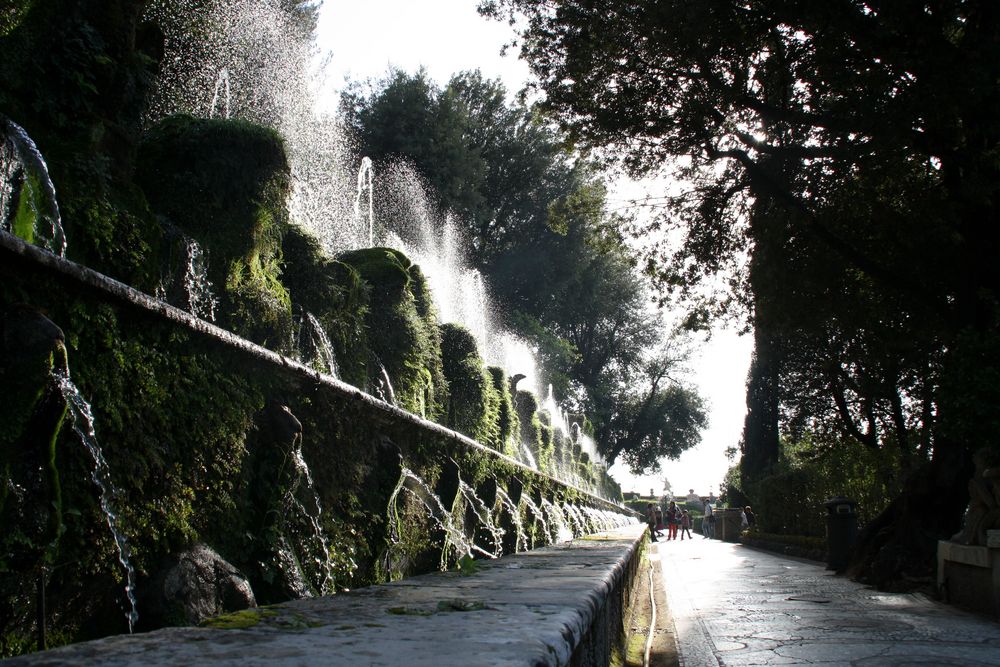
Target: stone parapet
[
  {"x": 969, "y": 576},
  {"x": 559, "y": 605}
]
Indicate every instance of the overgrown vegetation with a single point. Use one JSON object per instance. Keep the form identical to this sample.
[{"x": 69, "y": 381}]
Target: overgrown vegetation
[{"x": 201, "y": 438}]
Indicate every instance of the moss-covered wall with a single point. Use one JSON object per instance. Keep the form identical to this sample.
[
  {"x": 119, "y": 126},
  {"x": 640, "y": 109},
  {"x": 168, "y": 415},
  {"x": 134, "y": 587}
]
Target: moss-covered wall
[
  {"x": 202, "y": 430},
  {"x": 402, "y": 334},
  {"x": 224, "y": 183},
  {"x": 186, "y": 418}
]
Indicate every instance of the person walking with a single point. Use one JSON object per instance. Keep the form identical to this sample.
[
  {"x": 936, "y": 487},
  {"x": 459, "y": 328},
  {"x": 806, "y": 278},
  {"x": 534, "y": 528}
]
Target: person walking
[
  {"x": 673, "y": 520},
  {"x": 685, "y": 524}
]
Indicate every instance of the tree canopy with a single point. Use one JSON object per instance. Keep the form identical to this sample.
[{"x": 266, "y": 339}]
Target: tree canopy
[
  {"x": 850, "y": 149},
  {"x": 536, "y": 217}
]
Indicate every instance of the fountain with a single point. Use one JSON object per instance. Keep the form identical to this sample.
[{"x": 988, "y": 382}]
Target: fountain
[
  {"x": 28, "y": 205},
  {"x": 485, "y": 516},
  {"x": 521, "y": 541},
  {"x": 221, "y": 83},
  {"x": 538, "y": 515},
  {"x": 455, "y": 539},
  {"x": 557, "y": 520},
  {"x": 321, "y": 345},
  {"x": 342, "y": 210},
  {"x": 184, "y": 395},
  {"x": 197, "y": 296},
  {"x": 318, "y": 538},
  {"x": 83, "y": 425},
  {"x": 365, "y": 186}
]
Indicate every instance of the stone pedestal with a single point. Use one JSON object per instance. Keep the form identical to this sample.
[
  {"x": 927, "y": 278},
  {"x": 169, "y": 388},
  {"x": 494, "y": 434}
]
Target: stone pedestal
[
  {"x": 969, "y": 576},
  {"x": 728, "y": 524}
]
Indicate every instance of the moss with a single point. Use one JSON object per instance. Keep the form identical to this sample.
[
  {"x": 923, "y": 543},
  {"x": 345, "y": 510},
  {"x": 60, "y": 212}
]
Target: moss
[
  {"x": 401, "y": 330},
  {"x": 333, "y": 293},
  {"x": 75, "y": 76},
  {"x": 33, "y": 412},
  {"x": 408, "y": 611},
  {"x": 225, "y": 183},
  {"x": 239, "y": 620},
  {"x": 536, "y": 435},
  {"x": 509, "y": 427},
  {"x": 12, "y": 15},
  {"x": 474, "y": 406}
]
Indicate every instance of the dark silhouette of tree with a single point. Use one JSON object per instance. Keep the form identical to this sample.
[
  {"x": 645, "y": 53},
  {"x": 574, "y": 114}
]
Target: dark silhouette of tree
[{"x": 852, "y": 147}]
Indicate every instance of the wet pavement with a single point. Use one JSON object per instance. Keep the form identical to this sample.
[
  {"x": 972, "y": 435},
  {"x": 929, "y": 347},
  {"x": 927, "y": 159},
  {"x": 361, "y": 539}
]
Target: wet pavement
[{"x": 732, "y": 605}]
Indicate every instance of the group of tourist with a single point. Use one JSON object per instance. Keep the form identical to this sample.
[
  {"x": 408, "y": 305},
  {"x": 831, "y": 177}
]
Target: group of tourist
[
  {"x": 674, "y": 518},
  {"x": 671, "y": 520}
]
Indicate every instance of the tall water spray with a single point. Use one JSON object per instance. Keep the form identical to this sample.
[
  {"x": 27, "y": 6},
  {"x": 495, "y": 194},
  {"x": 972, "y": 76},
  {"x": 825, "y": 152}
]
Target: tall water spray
[
  {"x": 271, "y": 65},
  {"x": 272, "y": 70},
  {"x": 221, "y": 84},
  {"x": 366, "y": 174},
  {"x": 266, "y": 65}
]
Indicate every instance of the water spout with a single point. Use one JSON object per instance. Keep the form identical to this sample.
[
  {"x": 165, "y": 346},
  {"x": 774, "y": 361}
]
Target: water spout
[
  {"x": 83, "y": 425},
  {"x": 521, "y": 543},
  {"x": 485, "y": 517},
  {"x": 539, "y": 515},
  {"x": 322, "y": 347},
  {"x": 454, "y": 537},
  {"x": 366, "y": 174},
  {"x": 28, "y": 204},
  {"x": 323, "y": 561},
  {"x": 221, "y": 84}
]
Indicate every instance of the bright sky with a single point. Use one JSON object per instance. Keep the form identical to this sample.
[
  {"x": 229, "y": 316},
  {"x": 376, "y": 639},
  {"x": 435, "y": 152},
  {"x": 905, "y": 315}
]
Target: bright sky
[{"x": 367, "y": 37}]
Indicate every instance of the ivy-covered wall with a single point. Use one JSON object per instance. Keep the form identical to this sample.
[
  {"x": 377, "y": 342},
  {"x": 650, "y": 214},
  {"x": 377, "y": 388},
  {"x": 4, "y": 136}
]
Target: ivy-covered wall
[
  {"x": 202, "y": 432},
  {"x": 197, "y": 430}
]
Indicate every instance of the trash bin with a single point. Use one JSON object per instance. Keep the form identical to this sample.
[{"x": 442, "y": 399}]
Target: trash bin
[{"x": 841, "y": 532}]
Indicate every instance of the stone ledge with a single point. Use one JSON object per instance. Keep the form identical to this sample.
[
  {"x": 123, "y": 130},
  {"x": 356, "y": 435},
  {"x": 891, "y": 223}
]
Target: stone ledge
[
  {"x": 962, "y": 553},
  {"x": 535, "y": 608}
]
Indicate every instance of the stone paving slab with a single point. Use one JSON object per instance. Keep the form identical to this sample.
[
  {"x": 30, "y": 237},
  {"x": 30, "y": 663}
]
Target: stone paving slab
[
  {"x": 526, "y": 609},
  {"x": 736, "y": 606}
]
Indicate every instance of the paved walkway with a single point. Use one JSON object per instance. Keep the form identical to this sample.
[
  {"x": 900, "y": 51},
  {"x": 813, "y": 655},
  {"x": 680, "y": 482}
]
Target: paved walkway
[{"x": 735, "y": 606}]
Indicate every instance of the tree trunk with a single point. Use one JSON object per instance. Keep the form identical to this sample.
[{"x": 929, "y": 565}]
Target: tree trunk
[{"x": 898, "y": 549}]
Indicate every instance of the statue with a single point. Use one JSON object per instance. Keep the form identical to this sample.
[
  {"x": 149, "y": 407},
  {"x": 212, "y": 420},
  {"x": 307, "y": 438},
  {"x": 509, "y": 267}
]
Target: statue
[{"x": 983, "y": 512}]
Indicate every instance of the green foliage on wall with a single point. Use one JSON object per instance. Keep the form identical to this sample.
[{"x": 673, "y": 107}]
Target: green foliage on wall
[
  {"x": 225, "y": 183},
  {"x": 75, "y": 76},
  {"x": 536, "y": 435},
  {"x": 508, "y": 423},
  {"x": 401, "y": 329},
  {"x": 474, "y": 405},
  {"x": 32, "y": 414},
  {"x": 333, "y": 292}
]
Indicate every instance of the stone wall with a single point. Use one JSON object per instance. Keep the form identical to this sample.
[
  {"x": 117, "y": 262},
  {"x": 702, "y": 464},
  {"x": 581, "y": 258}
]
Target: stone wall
[{"x": 199, "y": 429}]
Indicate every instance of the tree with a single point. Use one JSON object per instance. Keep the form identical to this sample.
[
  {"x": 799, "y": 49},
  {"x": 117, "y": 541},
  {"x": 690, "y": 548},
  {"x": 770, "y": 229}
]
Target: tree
[
  {"x": 538, "y": 222},
  {"x": 655, "y": 418},
  {"x": 859, "y": 134}
]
